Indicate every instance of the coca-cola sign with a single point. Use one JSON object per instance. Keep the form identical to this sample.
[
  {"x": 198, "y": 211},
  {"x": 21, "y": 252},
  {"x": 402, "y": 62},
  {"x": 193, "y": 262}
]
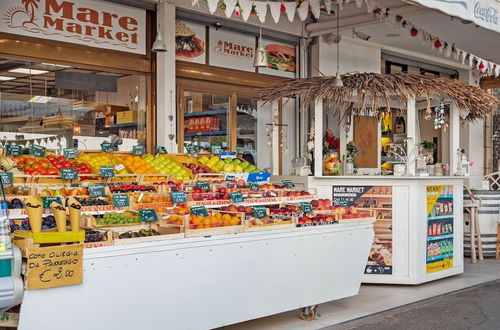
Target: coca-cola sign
[
  {"x": 92, "y": 23},
  {"x": 487, "y": 14}
]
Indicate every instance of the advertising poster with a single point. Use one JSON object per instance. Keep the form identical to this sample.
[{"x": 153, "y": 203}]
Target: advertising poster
[
  {"x": 439, "y": 228},
  {"x": 190, "y": 42},
  {"x": 377, "y": 201},
  {"x": 281, "y": 59},
  {"x": 231, "y": 50}
]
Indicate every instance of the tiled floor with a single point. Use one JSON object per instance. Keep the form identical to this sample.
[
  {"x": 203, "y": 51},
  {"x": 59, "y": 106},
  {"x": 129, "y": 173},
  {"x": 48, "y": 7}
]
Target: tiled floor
[{"x": 376, "y": 298}]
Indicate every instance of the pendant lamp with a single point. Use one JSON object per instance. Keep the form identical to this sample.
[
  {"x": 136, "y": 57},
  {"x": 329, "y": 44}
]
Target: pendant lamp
[
  {"x": 159, "y": 45},
  {"x": 337, "y": 83},
  {"x": 260, "y": 59}
]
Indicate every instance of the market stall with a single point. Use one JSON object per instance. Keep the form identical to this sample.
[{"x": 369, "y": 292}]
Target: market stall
[{"x": 386, "y": 170}]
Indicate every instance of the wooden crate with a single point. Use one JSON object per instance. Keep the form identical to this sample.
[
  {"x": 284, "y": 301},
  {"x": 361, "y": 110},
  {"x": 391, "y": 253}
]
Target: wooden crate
[
  {"x": 276, "y": 224},
  {"x": 27, "y": 239},
  {"x": 223, "y": 230},
  {"x": 91, "y": 222},
  {"x": 172, "y": 232}
]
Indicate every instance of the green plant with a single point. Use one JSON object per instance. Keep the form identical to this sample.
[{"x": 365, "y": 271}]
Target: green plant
[{"x": 428, "y": 145}]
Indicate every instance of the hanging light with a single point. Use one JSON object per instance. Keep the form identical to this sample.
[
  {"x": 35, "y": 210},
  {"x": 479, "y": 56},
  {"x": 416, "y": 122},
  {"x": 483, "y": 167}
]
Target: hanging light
[
  {"x": 338, "y": 80},
  {"x": 260, "y": 59},
  {"x": 159, "y": 45}
]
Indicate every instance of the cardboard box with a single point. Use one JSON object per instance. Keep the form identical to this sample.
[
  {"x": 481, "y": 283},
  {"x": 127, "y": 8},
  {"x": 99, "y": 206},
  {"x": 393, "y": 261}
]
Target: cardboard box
[{"x": 126, "y": 117}]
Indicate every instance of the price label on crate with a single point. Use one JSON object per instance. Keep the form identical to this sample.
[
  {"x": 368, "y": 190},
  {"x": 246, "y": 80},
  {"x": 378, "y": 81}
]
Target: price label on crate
[
  {"x": 7, "y": 178},
  {"x": 229, "y": 177},
  {"x": 289, "y": 183},
  {"x": 160, "y": 150},
  {"x": 37, "y": 151},
  {"x": 106, "y": 172},
  {"x": 107, "y": 147},
  {"x": 138, "y": 150},
  {"x": 259, "y": 211},
  {"x": 191, "y": 148},
  {"x": 14, "y": 150},
  {"x": 253, "y": 186},
  {"x": 70, "y": 153},
  {"x": 178, "y": 197},
  {"x": 148, "y": 215},
  {"x": 96, "y": 190},
  {"x": 216, "y": 149},
  {"x": 237, "y": 197},
  {"x": 69, "y": 174},
  {"x": 306, "y": 207},
  {"x": 47, "y": 200},
  {"x": 120, "y": 200},
  {"x": 203, "y": 185},
  {"x": 240, "y": 150},
  {"x": 199, "y": 210}
]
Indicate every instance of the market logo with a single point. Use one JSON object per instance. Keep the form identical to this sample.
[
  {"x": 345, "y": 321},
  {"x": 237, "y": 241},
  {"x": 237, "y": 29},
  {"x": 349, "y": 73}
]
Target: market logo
[
  {"x": 233, "y": 49},
  {"x": 461, "y": 3},
  {"x": 65, "y": 18},
  {"x": 487, "y": 14}
]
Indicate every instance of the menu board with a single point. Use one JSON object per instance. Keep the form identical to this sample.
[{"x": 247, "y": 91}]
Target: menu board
[
  {"x": 190, "y": 42},
  {"x": 375, "y": 201},
  {"x": 231, "y": 50},
  {"x": 439, "y": 254},
  {"x": 281, "y": 59}
]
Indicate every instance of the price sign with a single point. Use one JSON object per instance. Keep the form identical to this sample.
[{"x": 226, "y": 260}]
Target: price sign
[
  {"x": 203, "y": 185},
  {"x": 70, "y": 153},
  {"x": 289, "y": 183},
  {"x": 306, "y": 207},
  {"x": 160, "y": 150},
  {"x": 138, "y": 150},
  {"x": 37, "y": 151},
  {"x": 259, "y": 211},
  {"x": 148, "y": 215},
  {"x": 229, "y": 177},
  {"x": 178, "y": 197},
  {"x": 120, "y": 200},
  {"x": 199, "y": 210},
  {"x": 54, "y": 266},
  {"x": 240, "y": 150},
  {"x": 237, "y": 197},
  {"x": 216, "y": 149},
  {"x": 69, "y": 174},
  {"x": 96, "y": 190},
  {"x": 191, "y": 148},
  {"x": 106, "y": 172},
  {"x": 7, "y": 177},
  {"x": 253, "y": 186},
  {"x": 14, "y": 150},
  {"x": 107, "y": 147},
  {"x": 47, "y": 200}
]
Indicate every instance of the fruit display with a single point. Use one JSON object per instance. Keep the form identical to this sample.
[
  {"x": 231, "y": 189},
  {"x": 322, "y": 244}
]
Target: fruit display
[
  {"x": 139, "y": 197},
  {"x": 103, "y": 159},
  {"x": 125, "y": 188},
  {"x": 166, "y": 166},
  {"x": 59, "y": 162},
  {"x": 332, "y": 165},
  {"x": 140, "y": 233},
  {"x": 34, "y": 165},
  {"x": 91, "y": 201},
  {"x": 267, "y": 221},
  {"x": 230, "y": 165},
  {"x": 75, "y": 191},
  {"x": 316, "y": 220},
  {"x": 115, "y": 218},
  {"x": 136, "y": 164},
  {"x": 215, "y": 220},
  {"x": 8, "y": 164},
  {"x": 92, "y": 236},
  {"x": 15, "y": 203},
  {"x": 17, "y": 190}
]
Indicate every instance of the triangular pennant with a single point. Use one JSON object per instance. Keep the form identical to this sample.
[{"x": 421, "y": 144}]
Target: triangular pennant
[
  {"x": 246, "y": 7},
  {"x": 359, "y": 3},
  {"x": 230, "y": 4},
  {"x": 328, "y": 6},
  {"x": 195, "y": 3},
  {"x": 457, "y": 53},
  {"x": 291, "y": 7},
  {"x": 303, "y": 10},
  {"x": 370, "y": 6},
  {"x": 261, "y": 9},
  {"x": 497, "y": 70},
  {"x": 212, "y": 5},
  {"x": 315, "y": 7},
  {"x": 275, "y": 9},
  {"x": 447, "y": 51}
]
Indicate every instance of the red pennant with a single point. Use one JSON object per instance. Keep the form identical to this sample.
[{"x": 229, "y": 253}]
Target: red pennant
[
  {"x": 282, "y": 8},
  {"x": 481, "y": 65},
  {"x": 413, "y": 32},
  {"x": 438, "y": 44}
]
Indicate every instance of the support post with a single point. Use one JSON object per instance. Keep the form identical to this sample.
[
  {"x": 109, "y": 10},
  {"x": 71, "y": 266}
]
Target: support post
[
  {"x": 318, "y": 138},
  {"x": 275, "y": 144},
  {"x": 411, "y": 134},
  {"x": 454, "y": 137}
]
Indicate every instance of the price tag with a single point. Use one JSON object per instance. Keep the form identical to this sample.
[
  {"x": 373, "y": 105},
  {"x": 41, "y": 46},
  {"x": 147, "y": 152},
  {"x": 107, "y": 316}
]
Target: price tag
[
  {"x": 253, "y": 186},
  {"x": 37, "y": 151},
  {"x": 69, "y": 174},
  {"x": 107, "y": 147},
  {"x": 96, "y": 190},
  {"x": 199, "y": 210},
  {"x": 289, "y": 183},
  {"x": 120, "y": 200},
  {"x": 240, "y": 150},
  {"x": 106, "y": 172},
  {"x": 14, "y": 150},
  {"x": 148, "y": 215},
  {"x": 7, "y": 178},
  {"x": 138, "y": 150},
  {"x": 70, "y": 153},
  {"x": 178, "y": 197},
  {"x": 229, "y": 177},
  {"x": 191, "y": 148},
  {"x": 203, "y": 185},
  {"x": 259, "y": 211},
  {"x": 216, "y": 149},
  {"x": 237, "y": 197},
  {"x": 306, "y": 207},
  {"x": 160, "y": 150},
  {"x": 54, "y": 266},
  {"x": 47, "y": 200}
]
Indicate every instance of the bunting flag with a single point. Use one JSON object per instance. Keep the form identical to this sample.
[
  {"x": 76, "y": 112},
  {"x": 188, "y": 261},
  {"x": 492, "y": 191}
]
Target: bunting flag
[
  {"x": 290, "y": 8},
  {"x": 275, "y": 9}
]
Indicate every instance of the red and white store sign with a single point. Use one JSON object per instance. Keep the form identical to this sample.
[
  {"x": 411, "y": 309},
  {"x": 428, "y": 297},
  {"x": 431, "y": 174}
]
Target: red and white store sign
[{"x": 91, "y": 23}]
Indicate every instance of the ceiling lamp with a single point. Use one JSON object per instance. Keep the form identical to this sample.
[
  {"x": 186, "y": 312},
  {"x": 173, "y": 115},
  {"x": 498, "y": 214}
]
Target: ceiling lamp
[
  {"x": 159, "y": 45},
  {"x": 28, "y": 71},
  {"x": 260, "y": 59},
  {"x": 338, "y": 80}
]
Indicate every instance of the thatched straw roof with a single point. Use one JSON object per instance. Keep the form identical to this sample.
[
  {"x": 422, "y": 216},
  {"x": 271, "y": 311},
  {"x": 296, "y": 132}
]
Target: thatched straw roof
[{"x": 375, "y": 91}]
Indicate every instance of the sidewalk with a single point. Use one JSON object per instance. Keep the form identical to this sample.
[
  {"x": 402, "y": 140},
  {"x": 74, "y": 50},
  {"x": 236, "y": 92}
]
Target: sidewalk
[{"x": 378, "y": 298}]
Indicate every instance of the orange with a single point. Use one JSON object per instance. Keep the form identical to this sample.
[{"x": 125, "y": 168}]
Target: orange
[
  {"x": 226, "y": 217},
  {"x": 234, "y": 221},
  {"x": 218, "y": 215},
  {"x": 205, "y": 220}
]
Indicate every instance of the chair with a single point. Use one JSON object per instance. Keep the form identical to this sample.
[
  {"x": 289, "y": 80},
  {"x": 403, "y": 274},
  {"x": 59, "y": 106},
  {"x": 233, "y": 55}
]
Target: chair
[{"x": 475, "y": 230}]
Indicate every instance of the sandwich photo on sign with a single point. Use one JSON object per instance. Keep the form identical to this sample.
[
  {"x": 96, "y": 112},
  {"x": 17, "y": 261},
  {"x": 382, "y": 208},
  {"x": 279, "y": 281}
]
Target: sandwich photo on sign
[
  {"x": 187, "y": 45},
  {"x": 281, "y": 57}
]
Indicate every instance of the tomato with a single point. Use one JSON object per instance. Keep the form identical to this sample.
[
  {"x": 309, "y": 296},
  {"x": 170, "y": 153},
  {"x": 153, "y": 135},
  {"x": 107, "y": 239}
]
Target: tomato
[
  {"x": 52, "y": 171},
  {"x": 30, "y": 161},
  {"x": 86, "y": 170},
  {"x": 42, "y": 171},
  {"x": 36, "y": 166},
  {"x": 36, "y": 172},
  {"x": 61, "y": 159},
  {"x": 28, "y": 172},
  {"x": 58, "y": 165},
  {"x": 44, "y": 163}
]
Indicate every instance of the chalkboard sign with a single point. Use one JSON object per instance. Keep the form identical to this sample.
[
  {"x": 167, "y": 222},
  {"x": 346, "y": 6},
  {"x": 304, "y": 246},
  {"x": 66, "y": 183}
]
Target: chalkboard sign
[
  {"x": 160, "y": 150},
  {"x": 138, "y": 150},
  {"x": 203, "y": 185},
  {"x": 14, "y": 150},
  {"x": 216, "y": 149},
  {"x": 69, "y": 174},
  {"x": 120, "y": 200},
  {"x": 7, "y": 178},
  {"x": 96, "y": 190},
  {"x": 199, "y": 211},
  {"x": 148, "y": 215},
  {"x": 259, "y": 211},
  {"x": 107, "y": 147},
  {"x": 253, "y": 186},
  {"x": 106, "y": 172},
  {"x": 47, "y": 200},
  {"x": 37, "y": 151},
  {"x": 70, "y": 153},
  {"x": 237, "y": 197},
  {"x": 178, "y": 197},
  {"x": 191, "y": 148},
  {"x": 306, "y": 207},
  {"x": 289, "y": 183}
]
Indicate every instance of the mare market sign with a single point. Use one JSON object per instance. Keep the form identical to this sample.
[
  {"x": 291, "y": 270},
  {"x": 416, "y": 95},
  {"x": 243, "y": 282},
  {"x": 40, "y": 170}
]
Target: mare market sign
[{"x": 86, "y": 22}]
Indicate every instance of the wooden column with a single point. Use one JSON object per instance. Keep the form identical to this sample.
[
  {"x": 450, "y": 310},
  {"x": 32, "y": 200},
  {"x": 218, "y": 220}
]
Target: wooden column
[
  {"x": 411, "y": 134},
  {"x": 233, "y": 121},
  {"x": 318, "y": 138},
  {"x": 454, "y": 137}
]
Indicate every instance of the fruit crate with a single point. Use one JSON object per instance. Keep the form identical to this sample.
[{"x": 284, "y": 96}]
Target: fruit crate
[
  {"x": 28, "y": 239},
  {"x": 108, "y": 239},
  {"x": 165, "y": 233},
  {"x": 192, "y": 229},
  {"x": 268, "y": 223},
  {"x": 90, "y": 221}
]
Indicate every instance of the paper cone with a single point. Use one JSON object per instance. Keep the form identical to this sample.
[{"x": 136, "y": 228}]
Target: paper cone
[
  {"x": 34, "y": 207},
  {"x": 75, "y": 209},
  {"x": 59, "y": 212}
]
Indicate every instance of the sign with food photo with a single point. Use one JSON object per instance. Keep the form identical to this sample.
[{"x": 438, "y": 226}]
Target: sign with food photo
[
  {"x": 281, "y": 59},
  {"x": 189, "y": 42}
]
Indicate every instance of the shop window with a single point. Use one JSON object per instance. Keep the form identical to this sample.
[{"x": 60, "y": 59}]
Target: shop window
[{"x": 61, "y": 106}]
